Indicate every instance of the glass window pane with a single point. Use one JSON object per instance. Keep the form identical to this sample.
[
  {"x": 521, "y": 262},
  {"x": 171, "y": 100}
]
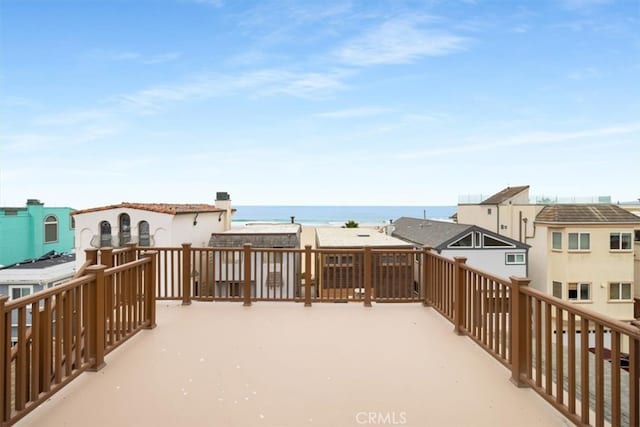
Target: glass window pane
[
  {"x": 614, "y": 241},
  {"x": 573, "y": 240},
  {"x": 557, "y": 289},
  {"x": 626, "y": 241},
  {"x": 466, "y": 241},
  {"x": 584, "y": 291},
  {"x": 614, "y": 291},
  {"x": 557, "y": 240},
  {"x": 626, "y": 291},
  {"x": 585, "y": 241}
]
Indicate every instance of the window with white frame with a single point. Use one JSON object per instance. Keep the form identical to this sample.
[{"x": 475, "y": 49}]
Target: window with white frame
[
  {"x": 620, "y": 241},
  {"x": 16, "y": 292},
  {"x": 492, "y": 242},
  {"x": 556, "y": 240},
  {"x": 579, "y": 291},
  {"x": 557, "y": 289},
  {"x": 465, "y": 242},
  {"x": 515, "y": 258},
  {"x": 579, "y": 241},
  {"x": 620, "y": 291},
  {"x": 50, "y": 229}
]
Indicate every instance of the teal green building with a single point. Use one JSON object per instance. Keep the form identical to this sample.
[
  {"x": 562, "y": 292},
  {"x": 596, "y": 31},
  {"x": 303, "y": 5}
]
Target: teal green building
[{"x": 32, "y": 231}]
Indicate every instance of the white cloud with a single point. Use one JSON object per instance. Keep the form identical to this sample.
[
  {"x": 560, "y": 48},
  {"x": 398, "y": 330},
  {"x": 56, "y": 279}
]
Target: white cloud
[
  {"x": 130, "y": 56},
  {"x": 353, "y": 113},
  {"x": 261, "y": 83},
  {"x": 531, "y": 138},
  {"x": 399, "y": 41}
]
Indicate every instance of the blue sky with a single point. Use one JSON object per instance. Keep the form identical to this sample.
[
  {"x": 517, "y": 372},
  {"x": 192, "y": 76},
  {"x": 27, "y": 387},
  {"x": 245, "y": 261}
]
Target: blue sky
[{"x": 320, "y": 102}]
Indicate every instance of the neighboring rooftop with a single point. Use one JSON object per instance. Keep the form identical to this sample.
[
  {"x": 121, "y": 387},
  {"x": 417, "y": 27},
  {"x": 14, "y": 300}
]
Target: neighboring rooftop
[
  {"x": 426, "y": 231},
  {"x": 259, "y": 236},
  {"x": 504, "y": 195},
  {"x": 334, "y": 237},
  {"x": 438, "y": 234},
  {"x": 47, "y": 260},
  {"x": 581, "y": 214},
  {"x": 166, "y": 208},
  {"x": 280, "y": 364}
]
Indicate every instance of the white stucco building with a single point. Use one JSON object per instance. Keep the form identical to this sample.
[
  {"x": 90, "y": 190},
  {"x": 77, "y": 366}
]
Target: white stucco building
[{"x": 150, "y": 224}]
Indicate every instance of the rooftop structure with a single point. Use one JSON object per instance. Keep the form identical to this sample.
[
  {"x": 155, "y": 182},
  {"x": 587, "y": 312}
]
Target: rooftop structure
[
  {"x": 333, "y": 237},
  {"x": 586, "y": 214}
]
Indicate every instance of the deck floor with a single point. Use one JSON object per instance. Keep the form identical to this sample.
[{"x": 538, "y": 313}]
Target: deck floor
[{"x": 281, "y": 364}]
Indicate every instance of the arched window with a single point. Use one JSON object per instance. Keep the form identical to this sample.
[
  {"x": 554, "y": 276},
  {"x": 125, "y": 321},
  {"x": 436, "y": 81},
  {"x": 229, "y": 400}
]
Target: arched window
[
  {"x": 124, "y": 233},
  {"x": 143, "y": 231},
  {"x": 105, "y": 234},
  {"x": 50, "y": 229}
]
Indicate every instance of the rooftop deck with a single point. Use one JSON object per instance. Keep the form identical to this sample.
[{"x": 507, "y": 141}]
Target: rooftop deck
[{"x": 281, "y": 364}]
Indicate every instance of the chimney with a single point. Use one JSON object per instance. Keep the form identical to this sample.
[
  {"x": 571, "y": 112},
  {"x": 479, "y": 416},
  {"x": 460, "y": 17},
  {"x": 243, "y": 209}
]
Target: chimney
[{"x": 223, "y": 201}]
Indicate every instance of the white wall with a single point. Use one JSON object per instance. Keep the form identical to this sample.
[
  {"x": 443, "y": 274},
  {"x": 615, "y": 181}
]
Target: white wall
[
  {"x": 490, "y": 260},
  {"x": 183, "y": 230}
]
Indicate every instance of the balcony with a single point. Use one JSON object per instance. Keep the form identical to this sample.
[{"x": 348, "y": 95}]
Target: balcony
[{"x": 270, "y": 361}]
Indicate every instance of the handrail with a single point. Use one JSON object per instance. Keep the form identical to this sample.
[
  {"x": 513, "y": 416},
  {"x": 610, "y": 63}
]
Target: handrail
[
  {"x": 607, "y": 321},
  {"x": 45, "y": 293}
]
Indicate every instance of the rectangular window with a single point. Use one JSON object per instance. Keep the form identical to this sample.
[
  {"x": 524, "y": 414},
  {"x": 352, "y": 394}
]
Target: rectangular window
[
  {"x": 620, "y": 241},
  {"x": 488, "y": 211},
  {"x": 579, "y": 291},
  {"x": 620, "y": 291},
  {"x": 19, "y": 291},
  {"x": 636, "y": 235},
  {"x": 556, "y": 238},
  {"x": 557, "y": 289},
  {"x": 514, "y": 258},
  {"x": 579, "y": 241}
]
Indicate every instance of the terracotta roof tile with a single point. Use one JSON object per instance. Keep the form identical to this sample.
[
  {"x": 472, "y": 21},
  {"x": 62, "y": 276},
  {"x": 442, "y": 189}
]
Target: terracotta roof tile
[
  {"x": 504, "y": 195},
  {"x": 167, "y": 208},
  {"x": 576, "y": 214}
]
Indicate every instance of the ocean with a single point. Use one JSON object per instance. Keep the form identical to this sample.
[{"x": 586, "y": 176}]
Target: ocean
[{"x": 337, "y": 215}]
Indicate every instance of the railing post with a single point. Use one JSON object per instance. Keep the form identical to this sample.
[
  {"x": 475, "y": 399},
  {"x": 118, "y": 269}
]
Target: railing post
[
  {"x": 91, "y": 255},
  {"x": 106, "y": 257},
  {"x": 367, "y": 276},
  {"x": 150, "y": 289},
  {"x": 186, "y": 274},
  {"x": 247, "y": 274},
  {"x": 426, "y": 274},
  {"x": 97, "y": 313},
  {"x": 5, "y": 392},
  {"x": 519, "y": 356},
  {"x": 458, "y": 295},
  {"x": 307, "y": 276},
  {"x": 131, "y": 251}
]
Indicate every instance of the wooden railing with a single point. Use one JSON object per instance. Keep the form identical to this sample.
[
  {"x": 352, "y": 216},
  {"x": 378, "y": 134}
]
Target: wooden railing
[
  {"x": 50, "y": 337},
  {"x": 556, "y": 348},
  {"x": 247, "y": 274}
]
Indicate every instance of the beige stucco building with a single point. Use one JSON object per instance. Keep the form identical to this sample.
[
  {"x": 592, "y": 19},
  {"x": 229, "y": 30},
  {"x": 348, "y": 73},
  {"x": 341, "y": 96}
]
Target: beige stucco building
[{"x": 583, "y": 253}]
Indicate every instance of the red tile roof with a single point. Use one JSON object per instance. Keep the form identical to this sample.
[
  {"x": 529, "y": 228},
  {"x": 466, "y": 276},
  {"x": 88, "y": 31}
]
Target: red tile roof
[{"x": 166, "y": 208}]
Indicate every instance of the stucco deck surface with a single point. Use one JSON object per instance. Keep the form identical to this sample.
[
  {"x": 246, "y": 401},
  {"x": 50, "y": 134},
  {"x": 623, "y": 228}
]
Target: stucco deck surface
[{"x": 281, "y": 364}]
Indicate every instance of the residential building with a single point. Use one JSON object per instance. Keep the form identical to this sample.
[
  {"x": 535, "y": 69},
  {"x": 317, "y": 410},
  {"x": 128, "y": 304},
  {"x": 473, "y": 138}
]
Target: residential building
[
  {"x": 585, "y": 254},
  {"x": 275, "y": 272},
  {"x": 580, "y": 252},
  {"x": 33, "y": 275},
  {"x": 484, "y": 249},
  {"x": 150, "y": 224},
  {"x": 340, "y": 273},
  {"x": 34, "y": 230}
]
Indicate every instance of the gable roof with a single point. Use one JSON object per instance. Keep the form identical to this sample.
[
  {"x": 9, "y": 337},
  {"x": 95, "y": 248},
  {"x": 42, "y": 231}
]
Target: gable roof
[
  {"x": 166, "y": 208},
  {"x": 586, "y": 214},
  {"x": 439, "y": 234},
  {"x": 504, "y": 195},
  {"x": 427, "y": 231}
]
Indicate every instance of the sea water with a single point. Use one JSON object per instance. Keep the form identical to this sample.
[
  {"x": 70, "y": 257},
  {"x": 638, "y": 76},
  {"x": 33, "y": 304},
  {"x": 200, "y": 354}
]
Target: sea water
[{"x": 337, "y": 215}]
